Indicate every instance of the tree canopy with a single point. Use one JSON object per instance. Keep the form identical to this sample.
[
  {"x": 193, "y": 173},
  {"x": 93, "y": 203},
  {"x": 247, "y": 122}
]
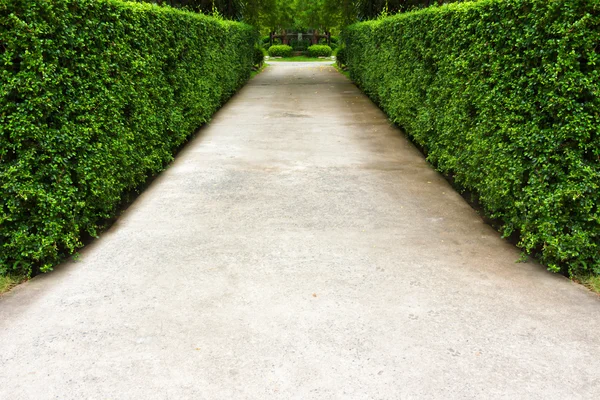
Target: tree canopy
[{"x": 280, "y": 14}]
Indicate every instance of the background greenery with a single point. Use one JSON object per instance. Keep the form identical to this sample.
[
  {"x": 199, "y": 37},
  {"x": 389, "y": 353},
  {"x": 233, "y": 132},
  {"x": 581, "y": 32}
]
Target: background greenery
[
  {"x": 319, "y": 50},
  {"x": 325, "y": 15},
  {"x": 504, "y": 96},
  {"x": 280, "y": 50},
  {"x": 94, "y": 97}
]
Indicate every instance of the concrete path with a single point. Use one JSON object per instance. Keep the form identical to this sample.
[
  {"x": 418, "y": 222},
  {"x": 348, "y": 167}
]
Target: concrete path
[{"x": 299, "y": 248}]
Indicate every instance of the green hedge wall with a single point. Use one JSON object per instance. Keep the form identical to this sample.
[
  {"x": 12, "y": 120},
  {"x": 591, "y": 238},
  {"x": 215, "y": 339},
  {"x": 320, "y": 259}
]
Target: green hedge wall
[
  {"x": 504, "y": 95},
  {"x": 95, "y": 96}
]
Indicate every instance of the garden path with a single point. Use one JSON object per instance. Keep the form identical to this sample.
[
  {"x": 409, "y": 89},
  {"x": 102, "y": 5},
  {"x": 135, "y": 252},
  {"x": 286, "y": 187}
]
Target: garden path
[{"x": 299, "y": 247}]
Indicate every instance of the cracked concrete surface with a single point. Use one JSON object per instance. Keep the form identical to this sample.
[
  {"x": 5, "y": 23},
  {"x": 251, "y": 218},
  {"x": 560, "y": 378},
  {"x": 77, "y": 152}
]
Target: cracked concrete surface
[{"x": 299, "y": 248}]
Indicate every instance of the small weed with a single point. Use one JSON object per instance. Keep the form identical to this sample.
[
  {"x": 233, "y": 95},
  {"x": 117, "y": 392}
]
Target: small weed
[
  {"x": 342, "y": 71},
  {"x": 591, "y": 282},
  {"x": 258, "y": 71},
  {"x": 8, "y": 282}
]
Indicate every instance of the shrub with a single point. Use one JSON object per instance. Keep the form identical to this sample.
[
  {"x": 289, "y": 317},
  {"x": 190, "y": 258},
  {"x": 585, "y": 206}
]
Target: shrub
[
  {"x": 331, "y": 44},
  {"x": 280, "y": 50},
  {"x": 95, "y": 97},
  {"x": 505, "y": 96},
  {"x": 319, "y": 50},
  {"x": 340, "y": 56}
]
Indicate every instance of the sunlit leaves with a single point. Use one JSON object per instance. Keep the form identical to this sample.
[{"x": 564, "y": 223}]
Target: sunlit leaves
[
  {"x": 503, "y": 95},
  {"x": 95, "y": 97}
]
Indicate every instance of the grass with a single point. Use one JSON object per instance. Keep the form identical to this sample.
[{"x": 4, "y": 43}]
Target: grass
[
  {"x": 342, "y": 71},
  {"x": 591, "y": 282},
  {"x": 258, "y": 71},
  {"x": 8, "y": 282},
  {"x": 299, "y": 58}
]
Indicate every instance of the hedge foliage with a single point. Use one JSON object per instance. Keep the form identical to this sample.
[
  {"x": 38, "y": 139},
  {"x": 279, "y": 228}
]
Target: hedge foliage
[
  {"x": 259, "y": 55},
  {"x": 95, "y": 95},
  {"x": 319, "y": 50},
  {"x": 504, "y": 95},
  {"x": 340, "y": 56},
  {"x": 280, "y": 50}
]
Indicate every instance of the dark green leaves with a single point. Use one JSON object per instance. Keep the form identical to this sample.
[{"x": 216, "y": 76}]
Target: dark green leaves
[
  {"x": 319, "y": 50},
  {"x": 505, "y": 96},
  {"x": 95, "y": 97}
]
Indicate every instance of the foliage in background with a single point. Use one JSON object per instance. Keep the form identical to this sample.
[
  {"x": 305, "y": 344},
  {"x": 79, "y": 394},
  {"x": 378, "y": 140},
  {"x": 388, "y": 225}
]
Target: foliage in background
[
  {"x": 321, "y": 14},
  {"x": 274, "y": 15},
  {"x": 319, "y": 50},
  {"x": 504, "y": 95},
  {"x": 280, "y": 50},
  {"x": 228, "y": 9},
  {"x": 299, "y": 45},
  {"x": 94, "y": 97},
  {"x": 371, "y": 9}
]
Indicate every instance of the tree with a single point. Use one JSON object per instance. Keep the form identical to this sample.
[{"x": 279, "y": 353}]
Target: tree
[{"x": 280, "y": 14}]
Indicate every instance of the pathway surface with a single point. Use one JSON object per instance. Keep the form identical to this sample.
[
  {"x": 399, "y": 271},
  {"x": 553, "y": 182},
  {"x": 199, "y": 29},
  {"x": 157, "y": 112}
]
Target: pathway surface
[{"x": 299, "y": 248}]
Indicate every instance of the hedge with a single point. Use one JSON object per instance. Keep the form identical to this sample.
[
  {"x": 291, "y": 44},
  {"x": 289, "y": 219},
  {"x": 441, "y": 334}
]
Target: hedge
[
  {"x": 95, "y": 97},
  {"x": 259, "y": 55},
  {"x": 340, "y": 56},
  {"x": 319, "y": 50},
  {"x": 280, "y": 50},
  {"x": 504, "y": 96}
]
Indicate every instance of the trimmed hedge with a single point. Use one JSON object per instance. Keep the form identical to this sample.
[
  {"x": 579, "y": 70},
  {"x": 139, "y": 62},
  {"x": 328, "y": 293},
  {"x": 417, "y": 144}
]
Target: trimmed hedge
[
  {"x": 319, "y": 50},
  {"x": 280, "y": 50},
  {"x": 332, "y": 42},
  {"x": 504, "y": 95},
  {"x": 95, "y": 97},
  {"x": 340, "y": 56}
]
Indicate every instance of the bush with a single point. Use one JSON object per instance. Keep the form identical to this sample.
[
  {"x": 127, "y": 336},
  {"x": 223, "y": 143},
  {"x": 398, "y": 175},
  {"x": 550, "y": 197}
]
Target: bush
[
  {"x": 259, "y": 55},
  {"x": 280, "y": 50},
  {"x": 505, "y": 96},
  {"x": 95, "y": 97},
  {"x": 319, "y": 50},
  {"x": 331, "y": 43}
]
